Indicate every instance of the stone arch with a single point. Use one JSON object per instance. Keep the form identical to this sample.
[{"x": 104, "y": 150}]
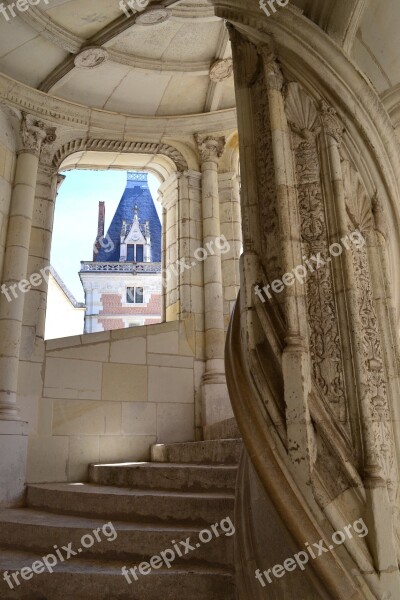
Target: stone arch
[{"x": 103, "y": 145}]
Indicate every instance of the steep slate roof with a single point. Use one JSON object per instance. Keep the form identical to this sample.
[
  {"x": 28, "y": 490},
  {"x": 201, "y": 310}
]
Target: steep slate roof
[{"x": 137, "y": 192}]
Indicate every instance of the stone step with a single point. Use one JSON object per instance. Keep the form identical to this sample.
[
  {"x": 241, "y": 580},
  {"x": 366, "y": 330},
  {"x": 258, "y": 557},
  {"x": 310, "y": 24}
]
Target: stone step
[
  {"x": 37, "y": 531},
  {"x": 225, "y": 452},
  {"x": 166, "y": 476},
  {"x": 123, "y": 504},
  {"x": 82, "y": 579},
  {"x": 227, "y": 429}
]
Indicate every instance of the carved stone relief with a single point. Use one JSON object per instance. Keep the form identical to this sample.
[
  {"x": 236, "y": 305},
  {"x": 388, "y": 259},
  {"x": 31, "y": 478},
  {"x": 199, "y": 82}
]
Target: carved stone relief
[
  {"x": 35, "y": 134},
  {"x": 270, "y": 244},
  {"x": 374, "y": 392},
  {"x": 325, "y": 345}
]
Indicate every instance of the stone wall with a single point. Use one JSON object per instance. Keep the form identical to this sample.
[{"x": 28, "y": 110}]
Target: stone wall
[
  {"x": 63, "y": 318},
  {"x": 108, "y": 396},
  {"x": 7, "y": 170}
]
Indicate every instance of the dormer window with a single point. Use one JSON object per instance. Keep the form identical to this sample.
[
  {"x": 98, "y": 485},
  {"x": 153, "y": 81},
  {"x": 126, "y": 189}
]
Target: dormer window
[
  {"x": 131, "y": 253},
  {"x": 135, "y": 240},
  {"x": 135, "y": 253},
  {"x": 139, "y": 252}
]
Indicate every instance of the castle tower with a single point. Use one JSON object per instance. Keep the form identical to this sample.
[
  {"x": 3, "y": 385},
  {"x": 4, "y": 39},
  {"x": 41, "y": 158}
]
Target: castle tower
[{"x": 123, "y": 282}]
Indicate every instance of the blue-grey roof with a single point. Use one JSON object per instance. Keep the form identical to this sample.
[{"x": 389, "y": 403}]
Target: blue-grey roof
[{"x": 137, "y": 193}]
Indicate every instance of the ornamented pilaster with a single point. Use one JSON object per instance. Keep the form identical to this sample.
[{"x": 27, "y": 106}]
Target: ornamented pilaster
[
  {"x": 376, "y": 413},
  {"x": 295, "y": 357},
  {"x": 325, "y": 348}
]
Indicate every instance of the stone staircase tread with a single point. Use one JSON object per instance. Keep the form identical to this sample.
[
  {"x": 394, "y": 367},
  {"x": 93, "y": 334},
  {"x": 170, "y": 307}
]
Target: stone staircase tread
[
  {"x": 33, "y": 516},
  {"x": 92, "y": 488},
  {"x": 15, "y": 559},
  {"x": 217, "y": 452},
  {"x": 218, "y": 441},
  {"x": 155, "y": 465},
  {"x": 39, "y": 531}
]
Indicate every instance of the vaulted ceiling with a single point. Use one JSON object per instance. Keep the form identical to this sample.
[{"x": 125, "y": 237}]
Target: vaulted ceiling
[
  {"x": 146, "y": 66},
  {"x": 90, "y": 52}
]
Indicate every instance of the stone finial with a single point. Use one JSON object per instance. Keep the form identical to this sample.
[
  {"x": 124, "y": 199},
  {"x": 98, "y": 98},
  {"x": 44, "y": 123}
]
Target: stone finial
[
  {"x": 34, "y": 134},
  {"x": 210, "y": 148}
]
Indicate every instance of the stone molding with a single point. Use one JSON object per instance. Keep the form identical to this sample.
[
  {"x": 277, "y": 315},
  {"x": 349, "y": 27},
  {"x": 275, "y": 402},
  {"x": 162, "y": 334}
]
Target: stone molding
[
  {"x": 104, "y": 145},
  {"x": 19, "y": 96}
]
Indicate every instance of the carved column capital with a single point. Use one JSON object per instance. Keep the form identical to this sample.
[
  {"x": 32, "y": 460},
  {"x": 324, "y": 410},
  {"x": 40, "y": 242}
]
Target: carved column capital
[
  {"x": 379, "y": 214},
  {"x": 35, "y": 134},
  {"x": 331, "y": 122},
  {"x": 272, "y": 70},
  {"x": 210, "y": 148}
]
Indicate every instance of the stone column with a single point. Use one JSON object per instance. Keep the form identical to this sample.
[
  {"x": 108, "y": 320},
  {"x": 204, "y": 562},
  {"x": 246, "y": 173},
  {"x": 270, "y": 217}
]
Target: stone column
[
  {"x": 33, "y": 134},
  {"x": 190, "y": 269},
  {"x": 32, "y": 348},
  {"x": 231, "y": 229},
  {"x": 169, "y": 194},
  {"x": 163, "y": 251},
  {"x": 48, "y": 183},
  {"x": 216, "y": 403},
  {"x": 13, "y": 431}
]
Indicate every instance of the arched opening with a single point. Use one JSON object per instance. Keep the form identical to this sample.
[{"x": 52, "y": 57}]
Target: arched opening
[{"x": 107, "y": 244}]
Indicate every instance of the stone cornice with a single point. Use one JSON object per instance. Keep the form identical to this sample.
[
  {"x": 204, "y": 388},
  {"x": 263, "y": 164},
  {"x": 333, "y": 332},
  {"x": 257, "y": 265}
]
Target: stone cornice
[{"x": 96, "y": 121}]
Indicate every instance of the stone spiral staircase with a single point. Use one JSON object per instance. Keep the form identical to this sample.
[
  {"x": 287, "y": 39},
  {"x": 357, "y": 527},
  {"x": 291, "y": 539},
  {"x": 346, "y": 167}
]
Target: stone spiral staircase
[{"x": 186, "y": 488}]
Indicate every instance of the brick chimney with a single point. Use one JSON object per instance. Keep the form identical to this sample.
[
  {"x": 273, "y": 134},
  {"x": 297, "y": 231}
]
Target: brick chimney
[{"x": 100, "y": 230}]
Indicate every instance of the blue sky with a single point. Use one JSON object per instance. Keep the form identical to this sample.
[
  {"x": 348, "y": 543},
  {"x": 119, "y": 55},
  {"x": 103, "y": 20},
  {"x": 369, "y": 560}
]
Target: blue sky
[{"x": 75, "y": 220}]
